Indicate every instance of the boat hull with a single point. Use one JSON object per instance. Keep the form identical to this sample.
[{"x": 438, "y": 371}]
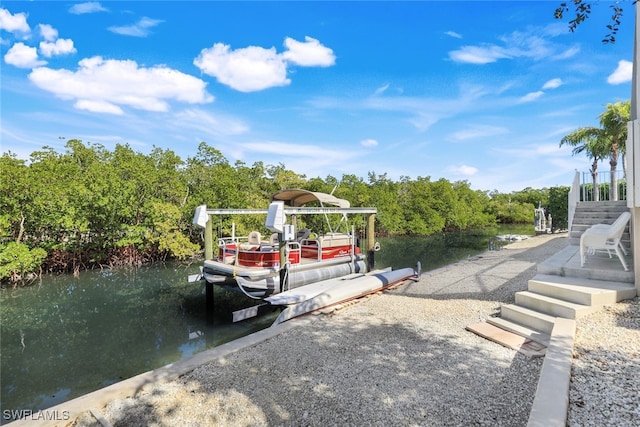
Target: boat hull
[
  {"x": 262, "y": 282},
  {"x": 271, "y": 285}
]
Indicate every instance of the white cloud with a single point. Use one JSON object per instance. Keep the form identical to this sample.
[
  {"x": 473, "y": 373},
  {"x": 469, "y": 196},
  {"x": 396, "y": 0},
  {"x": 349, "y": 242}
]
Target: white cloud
[
  {"x": 310, "y": 158},
  {"x": 89, "y": 7},
  {"x": 463, "y": 170},
  {"x": 98, "y": 106},
  {"x": 552, "y": 84},
  {"x": 382, "y": 89},
  {"x": 536, "y": 151},
  {"x": 476, "y": 132},
  {"x": 567, "y": 53},
  {"x": 139, "y": 29},
  {"x": 60, "y": 47},
  {"x": 211, "y": 124},
  {"x": 248, "y": 69},
  {"x": 47, "y": 32},
  {"x": 103, "y": 86},
  {"x": 453, "y": 34},
  {"x": 478, "y": 54},
  {"x": 369, "y": 142},
  {"x": 531, "y": 96},
  {"x": 13, "y": 23},
  {"x": 531, "y": 44},
  {"x": 255, "y": 68},
  {"x": 23, "y": 56},
  {"x": 528, "y": 44},
  {"x": 310, "y": 53},
  {"x": 622, "y": 73}
]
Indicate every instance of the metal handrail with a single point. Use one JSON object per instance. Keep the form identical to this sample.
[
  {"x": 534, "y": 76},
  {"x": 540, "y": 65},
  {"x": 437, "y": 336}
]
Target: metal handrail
[{"x": 599, "y": 187}]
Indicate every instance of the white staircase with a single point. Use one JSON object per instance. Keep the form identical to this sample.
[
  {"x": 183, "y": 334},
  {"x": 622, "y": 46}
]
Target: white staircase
[
  {"x": 562, "y": 288},
  {"x": 590, "y": 213}
]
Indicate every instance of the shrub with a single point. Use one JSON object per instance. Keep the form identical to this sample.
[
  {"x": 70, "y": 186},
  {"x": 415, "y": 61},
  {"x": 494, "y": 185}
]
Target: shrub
[{"x": 17, "y": 260}]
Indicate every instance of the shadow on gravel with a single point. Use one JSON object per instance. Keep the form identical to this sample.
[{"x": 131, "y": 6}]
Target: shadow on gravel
[
  {"x": 628, "y": 314},
  {"x": 343, "y": 372},
  {"x": 491, "y": 276}
]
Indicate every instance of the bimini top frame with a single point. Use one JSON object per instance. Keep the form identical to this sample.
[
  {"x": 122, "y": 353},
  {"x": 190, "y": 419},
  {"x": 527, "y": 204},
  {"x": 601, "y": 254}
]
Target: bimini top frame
[{"x": 295, "y": 201}]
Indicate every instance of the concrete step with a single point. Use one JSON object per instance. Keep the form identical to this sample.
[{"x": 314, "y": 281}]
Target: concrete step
[
  {"x": 578, "y": 230},
  {"x": 526, "y": 317},
  {"x": 580, "y": 290},
  {"x": 603, "y": 205},
  {"x": 598, "y": 267},
  {"x": 581, "y": 227},
  {"x": 555, "y": 264},
  {"x": 523, "y": 331},
  {"x": 553, "y": 306},
  {"x": 606, "y": 217}
]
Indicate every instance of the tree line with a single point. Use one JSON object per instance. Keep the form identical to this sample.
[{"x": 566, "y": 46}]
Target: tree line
[{"x": 90, "y": 207}]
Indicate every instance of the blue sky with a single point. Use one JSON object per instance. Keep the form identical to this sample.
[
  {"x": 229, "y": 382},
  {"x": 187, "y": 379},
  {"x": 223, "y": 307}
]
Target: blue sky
[{"x": 479, "y": 91}]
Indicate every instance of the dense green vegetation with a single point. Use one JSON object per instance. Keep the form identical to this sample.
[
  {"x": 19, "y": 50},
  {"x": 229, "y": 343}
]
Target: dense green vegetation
[{"x": 91, "y": 207}]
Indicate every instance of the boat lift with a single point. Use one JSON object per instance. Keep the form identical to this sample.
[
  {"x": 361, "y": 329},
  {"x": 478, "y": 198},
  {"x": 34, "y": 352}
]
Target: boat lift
[{"x": 202, "y": 218}]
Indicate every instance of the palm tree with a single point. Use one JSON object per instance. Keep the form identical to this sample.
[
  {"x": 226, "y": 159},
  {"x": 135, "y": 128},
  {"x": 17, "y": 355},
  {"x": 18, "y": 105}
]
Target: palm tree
[
  {"x": 591, "y": 141},
  {"x": 609, "y": 140},
  {"x": 614, "y": 125}
]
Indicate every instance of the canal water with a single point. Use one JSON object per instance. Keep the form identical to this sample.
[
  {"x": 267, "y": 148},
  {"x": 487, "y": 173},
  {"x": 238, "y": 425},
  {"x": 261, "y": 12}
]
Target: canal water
[{"x": 66, "y": 336}]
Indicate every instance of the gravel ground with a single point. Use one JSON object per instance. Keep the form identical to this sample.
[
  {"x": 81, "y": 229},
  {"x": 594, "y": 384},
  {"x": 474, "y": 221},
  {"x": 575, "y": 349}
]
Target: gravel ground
[
  {"x": 404, "y": 358},
  {"x": 605, "y": 376}
]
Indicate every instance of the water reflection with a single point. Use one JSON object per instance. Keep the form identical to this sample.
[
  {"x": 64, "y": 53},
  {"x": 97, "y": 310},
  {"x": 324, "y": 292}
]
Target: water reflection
[{"x": 69, "y": 336}]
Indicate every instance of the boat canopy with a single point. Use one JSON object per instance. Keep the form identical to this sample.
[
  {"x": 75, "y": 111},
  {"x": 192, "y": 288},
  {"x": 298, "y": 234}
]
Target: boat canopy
[{"x": 298, "y": 197}]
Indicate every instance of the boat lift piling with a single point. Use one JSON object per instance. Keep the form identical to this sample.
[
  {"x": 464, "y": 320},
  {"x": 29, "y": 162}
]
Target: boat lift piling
[
  {"x": 208, "y": 254},
  {"x": 371, "y": 241}
]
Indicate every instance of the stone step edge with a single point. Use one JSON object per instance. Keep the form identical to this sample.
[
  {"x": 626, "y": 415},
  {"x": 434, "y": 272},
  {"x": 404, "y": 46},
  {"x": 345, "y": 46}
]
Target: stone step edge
[
  {"x": 553, "y": 306},
  {"x": 551, "y": 402},
  {"x": 534, "y": 319},
  {"x": 522, "y": 330},
  {"x": 581, "y": 284}
]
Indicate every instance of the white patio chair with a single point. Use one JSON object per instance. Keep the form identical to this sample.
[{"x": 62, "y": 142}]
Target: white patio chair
[{"x": 605, "y": 237}]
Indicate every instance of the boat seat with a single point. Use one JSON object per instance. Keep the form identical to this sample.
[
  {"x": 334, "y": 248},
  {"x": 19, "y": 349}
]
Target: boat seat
[
  {"x": 336, "y": 239},
  {"x": 254, "y": 238},
  {"x": 302, "y": 234},
  {"x": 273, "y": 240}
]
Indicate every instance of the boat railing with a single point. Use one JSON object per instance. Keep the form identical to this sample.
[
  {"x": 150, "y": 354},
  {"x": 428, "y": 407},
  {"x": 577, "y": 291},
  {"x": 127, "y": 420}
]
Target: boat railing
[
  {"x": 295, "y": 249},
  {"x": 227, "y": 248},
  {"x": 319, "y": 244}
]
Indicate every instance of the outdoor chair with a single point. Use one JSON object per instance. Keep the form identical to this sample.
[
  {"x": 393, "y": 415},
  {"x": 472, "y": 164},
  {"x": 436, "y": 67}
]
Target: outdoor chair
[{"x": 605, "y": 237}]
